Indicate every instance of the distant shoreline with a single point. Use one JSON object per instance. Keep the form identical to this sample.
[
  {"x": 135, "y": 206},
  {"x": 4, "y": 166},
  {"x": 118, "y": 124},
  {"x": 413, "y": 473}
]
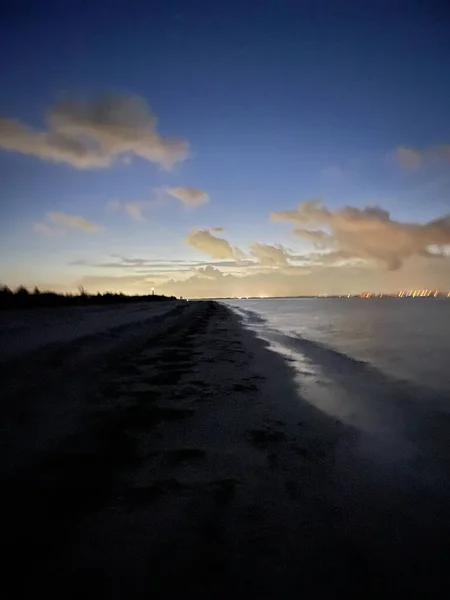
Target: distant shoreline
[
  {"x": 440, "y": 296},
  {"x": 21, "y": 298}
]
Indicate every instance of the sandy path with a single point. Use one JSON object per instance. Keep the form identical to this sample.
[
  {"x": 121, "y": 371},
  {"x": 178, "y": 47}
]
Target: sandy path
[{"x": 196, "y": 468}]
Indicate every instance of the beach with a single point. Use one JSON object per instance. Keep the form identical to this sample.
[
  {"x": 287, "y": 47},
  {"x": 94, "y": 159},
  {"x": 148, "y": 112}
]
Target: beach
[{"x": 169, "y": 452}]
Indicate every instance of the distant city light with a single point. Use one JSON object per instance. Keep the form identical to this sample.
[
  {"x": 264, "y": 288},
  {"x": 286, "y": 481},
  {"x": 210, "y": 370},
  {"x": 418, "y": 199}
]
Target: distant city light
[{"x": 419, "y": 293}]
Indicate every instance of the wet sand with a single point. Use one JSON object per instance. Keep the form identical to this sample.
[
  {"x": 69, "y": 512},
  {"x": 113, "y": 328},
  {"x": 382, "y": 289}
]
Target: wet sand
[{"x": 177, "y": 457}]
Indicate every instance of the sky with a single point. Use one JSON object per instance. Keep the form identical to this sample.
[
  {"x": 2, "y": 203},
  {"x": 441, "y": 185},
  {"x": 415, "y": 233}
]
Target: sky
[{"x": 208, "y": 149}]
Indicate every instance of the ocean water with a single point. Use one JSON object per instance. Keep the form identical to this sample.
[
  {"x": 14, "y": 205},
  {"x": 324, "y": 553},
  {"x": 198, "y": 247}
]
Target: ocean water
[
  {"x": 405, "y": 339},
  {"x": 379, "y": 366},
  {"x": 379, "y": 372}
]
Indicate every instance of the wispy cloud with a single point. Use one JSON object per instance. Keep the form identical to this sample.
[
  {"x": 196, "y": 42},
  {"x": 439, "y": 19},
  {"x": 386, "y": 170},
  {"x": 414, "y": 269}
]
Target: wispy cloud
[
  {"x": 212, "y": 282},
  {"x": 134, "y": 209},
  {"x": 95, "y": 133},
  {"x": 189, "y": 196},
  {"x": 61, "y": 222},
  {"x": 413, "y": 159},
  {"x": 153, "y": 265},
  {"x": 408, "y": 159},
  {"x": 320, "y": 276},
  {"x": 48, "y": 230},
  {"x": 73, "y": 222},
  {"x": 334, "y": 271}
]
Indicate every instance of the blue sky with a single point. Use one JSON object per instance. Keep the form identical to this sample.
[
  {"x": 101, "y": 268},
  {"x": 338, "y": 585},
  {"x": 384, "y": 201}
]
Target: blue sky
[{"x": 280, "y": 102}]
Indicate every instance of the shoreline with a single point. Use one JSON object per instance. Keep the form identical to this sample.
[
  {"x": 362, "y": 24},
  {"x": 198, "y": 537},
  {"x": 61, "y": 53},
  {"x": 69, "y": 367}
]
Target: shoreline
[{"x": 192, "y": 464}]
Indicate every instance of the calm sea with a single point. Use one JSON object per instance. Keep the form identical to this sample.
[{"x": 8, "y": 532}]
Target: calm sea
[
  {"x": 381, "y": 366},
  {"x": 405, "y": 339},
  {"x": 379, "y": 372}
]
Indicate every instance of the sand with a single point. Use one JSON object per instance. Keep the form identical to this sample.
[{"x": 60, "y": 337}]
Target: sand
[{"x": 172, "y": 454}]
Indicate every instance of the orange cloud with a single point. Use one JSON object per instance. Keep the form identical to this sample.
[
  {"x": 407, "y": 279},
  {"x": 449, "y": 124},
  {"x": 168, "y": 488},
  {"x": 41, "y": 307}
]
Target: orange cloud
[
  {"x": 367, "y": 233},
  {"x": 270, "y": 255},
  {"x": 208, "y": 281},
  {"x": 205, "y": 242}
]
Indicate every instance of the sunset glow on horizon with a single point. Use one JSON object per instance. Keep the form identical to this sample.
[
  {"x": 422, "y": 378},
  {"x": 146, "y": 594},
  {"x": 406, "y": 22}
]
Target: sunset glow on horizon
[{"x": 280, "y": 150}]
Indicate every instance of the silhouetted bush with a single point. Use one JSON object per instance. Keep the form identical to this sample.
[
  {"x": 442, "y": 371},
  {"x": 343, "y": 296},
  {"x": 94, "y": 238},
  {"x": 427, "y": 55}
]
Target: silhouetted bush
[{"x": 22, "y": 298}]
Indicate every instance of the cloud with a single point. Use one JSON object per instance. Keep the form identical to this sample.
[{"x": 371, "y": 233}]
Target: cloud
[
  {"x": 61, "y": 222},
  {"x": 140, "y": 265},
  {"x": 46, "y": 229},
  {"x": 51, "y": 145},
  {"x": 208, "y": 272},
  {"x": 408, "y": 158},
  {"x": 413, "y": 159},
  {"x": 321, "y": 279},
  {"x": 369, "y": 233},
  {"x": 212, "y": 282},
  {"x": 95, "y": 133},
  {"x": 335, "y": 258},
  {"x": 319, "y": 238},
  {"x": 209, "y": 281},
  {"x": 239, "y": 256},
  {"x": 189, "y": 196},
  {"x": 133, "y": 209},
  {"x": 73, "y": 222},
  {"x": 205, "y": 242},
  {"x": 270, "y": 255}
]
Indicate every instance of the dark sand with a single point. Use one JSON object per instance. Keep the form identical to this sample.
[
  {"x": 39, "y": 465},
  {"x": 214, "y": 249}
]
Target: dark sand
[{"x": 180, "y": 461}]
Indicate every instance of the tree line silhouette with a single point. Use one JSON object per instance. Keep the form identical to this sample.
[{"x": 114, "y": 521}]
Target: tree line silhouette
[{"x": 23, "y": 298}]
